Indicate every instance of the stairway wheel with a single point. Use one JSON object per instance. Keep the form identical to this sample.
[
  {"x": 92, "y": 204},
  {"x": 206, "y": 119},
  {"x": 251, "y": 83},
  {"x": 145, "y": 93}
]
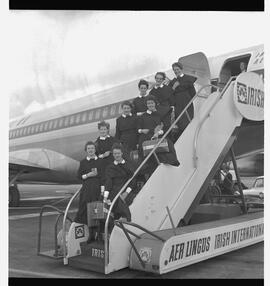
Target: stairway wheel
[{"x": 213, "y": 192}]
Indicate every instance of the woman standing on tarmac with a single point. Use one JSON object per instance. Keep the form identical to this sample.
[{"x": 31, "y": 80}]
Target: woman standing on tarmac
[
  {"x": 90, "y": 174},
  {"x": 126, "y": 129}
]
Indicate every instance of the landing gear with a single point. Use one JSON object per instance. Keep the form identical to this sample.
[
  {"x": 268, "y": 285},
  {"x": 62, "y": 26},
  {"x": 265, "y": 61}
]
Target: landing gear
[{"x": 14, "y": 196}]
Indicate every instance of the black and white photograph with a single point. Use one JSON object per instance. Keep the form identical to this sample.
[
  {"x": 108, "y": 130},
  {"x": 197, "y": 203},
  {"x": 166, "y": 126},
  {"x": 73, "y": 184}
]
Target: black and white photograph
[{"x": 135, "y": 144}]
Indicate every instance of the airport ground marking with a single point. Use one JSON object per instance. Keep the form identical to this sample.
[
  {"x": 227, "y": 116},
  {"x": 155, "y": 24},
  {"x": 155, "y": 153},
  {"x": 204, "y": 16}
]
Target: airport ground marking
[
  {"x": 36, "y": 274},
  {"x": 42, "y": 198},
  {"x": 23, "y": 208},
  {"x": 17, "y": 217}
]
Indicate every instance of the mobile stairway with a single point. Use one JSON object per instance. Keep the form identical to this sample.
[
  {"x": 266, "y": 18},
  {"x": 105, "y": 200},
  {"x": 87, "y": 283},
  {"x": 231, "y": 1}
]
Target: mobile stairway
[{"x": 159, "y": 238}]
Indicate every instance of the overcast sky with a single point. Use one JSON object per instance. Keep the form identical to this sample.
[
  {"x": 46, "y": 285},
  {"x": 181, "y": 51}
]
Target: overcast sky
[{"x": 57, "y": 56}]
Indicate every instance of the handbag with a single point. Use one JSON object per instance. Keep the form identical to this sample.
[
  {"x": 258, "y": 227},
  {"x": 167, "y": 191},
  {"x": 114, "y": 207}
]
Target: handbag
[
  {"x": 97, "y": 210},
  {"x": 149, "y": 145}
]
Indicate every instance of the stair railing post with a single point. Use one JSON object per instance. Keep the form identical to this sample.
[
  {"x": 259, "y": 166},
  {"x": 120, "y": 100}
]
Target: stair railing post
[{"x": 238, "y": 180}]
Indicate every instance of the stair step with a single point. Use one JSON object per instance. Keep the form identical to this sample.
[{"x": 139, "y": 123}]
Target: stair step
[
  {"x": 88, "y": 263},
  {"x": 51, "y": 254},
  {"x": 92, "y": 257}
]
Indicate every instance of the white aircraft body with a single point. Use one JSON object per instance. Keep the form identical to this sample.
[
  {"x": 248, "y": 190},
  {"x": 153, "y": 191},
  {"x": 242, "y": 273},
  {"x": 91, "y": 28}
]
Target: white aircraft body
[{"x": 47, "y": 145}]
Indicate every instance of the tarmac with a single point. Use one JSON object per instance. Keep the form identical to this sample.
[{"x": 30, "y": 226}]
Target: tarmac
[{"x": 246, "y": 263}]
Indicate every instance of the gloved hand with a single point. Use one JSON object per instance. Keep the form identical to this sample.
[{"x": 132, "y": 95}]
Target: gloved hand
[{"x": 102, "y": 189}]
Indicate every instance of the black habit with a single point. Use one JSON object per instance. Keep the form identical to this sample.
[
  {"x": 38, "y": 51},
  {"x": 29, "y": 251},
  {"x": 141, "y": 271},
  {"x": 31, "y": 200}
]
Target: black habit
[
  {"x": 90, "y": 190},
  {"x": 126, "y": 132},
  {"x": 183, "y": 93},
  {"x": 164, "y": 97},
  {"x": 148, "y": 121},
  {"x": 151, "y": 121},
  {"x": 116, "y": 177},
  {"x": 139, "y": 104},
  {"x": 102, "y": 146}
]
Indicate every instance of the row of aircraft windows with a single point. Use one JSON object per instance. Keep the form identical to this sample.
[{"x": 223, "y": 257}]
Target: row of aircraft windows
[{"x": 66, "y": 121}]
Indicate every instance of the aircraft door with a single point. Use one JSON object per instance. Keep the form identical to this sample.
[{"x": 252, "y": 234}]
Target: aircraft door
[
  {"x": 197, "y": 65},
  {"x": 231, "y": 67}
]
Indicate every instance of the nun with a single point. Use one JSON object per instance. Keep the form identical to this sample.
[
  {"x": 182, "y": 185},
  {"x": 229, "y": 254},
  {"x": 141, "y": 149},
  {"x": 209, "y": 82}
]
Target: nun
[
  {"x": 89, "y": 173},
  {"x": 126, "y": 129}
]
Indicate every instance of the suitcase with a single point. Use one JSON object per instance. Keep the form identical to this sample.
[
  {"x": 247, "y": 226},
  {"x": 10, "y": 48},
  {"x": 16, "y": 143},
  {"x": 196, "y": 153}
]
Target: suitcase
[
  {"x": 96, "y": 211},
  {"x": 149, "y": 145}
]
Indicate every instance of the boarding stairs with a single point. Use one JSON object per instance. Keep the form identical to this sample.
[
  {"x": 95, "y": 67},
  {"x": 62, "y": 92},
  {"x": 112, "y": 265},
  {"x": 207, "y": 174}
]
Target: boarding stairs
[
  {"x": 177, "y": 191},
  {"x": 171, "y": 194}
]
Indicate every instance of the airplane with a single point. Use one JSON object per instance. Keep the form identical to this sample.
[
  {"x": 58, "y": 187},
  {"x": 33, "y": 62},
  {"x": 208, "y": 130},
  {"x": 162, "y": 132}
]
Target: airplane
[{"x": 46, "y": 146}]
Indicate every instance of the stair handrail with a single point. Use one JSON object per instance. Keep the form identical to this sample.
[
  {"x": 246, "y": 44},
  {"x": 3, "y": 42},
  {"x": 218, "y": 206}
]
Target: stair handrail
[
  {"x": 195, "y": 157},
  {"x": 141, "y": 165},
  {"x": 141, "y": 228},
  {"x": 64, "y": 225},
  {"x": 201, "y": 123},
  {"x": 40, "y": 222}
]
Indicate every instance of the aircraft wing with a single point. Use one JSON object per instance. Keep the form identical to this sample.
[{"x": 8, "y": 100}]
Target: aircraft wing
[
  {"x": 41, "y": 165},
  {"x": 30, "y": 160},
  {"x": 17, "y": 165},
  {"x": 26, "y": 161}
]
